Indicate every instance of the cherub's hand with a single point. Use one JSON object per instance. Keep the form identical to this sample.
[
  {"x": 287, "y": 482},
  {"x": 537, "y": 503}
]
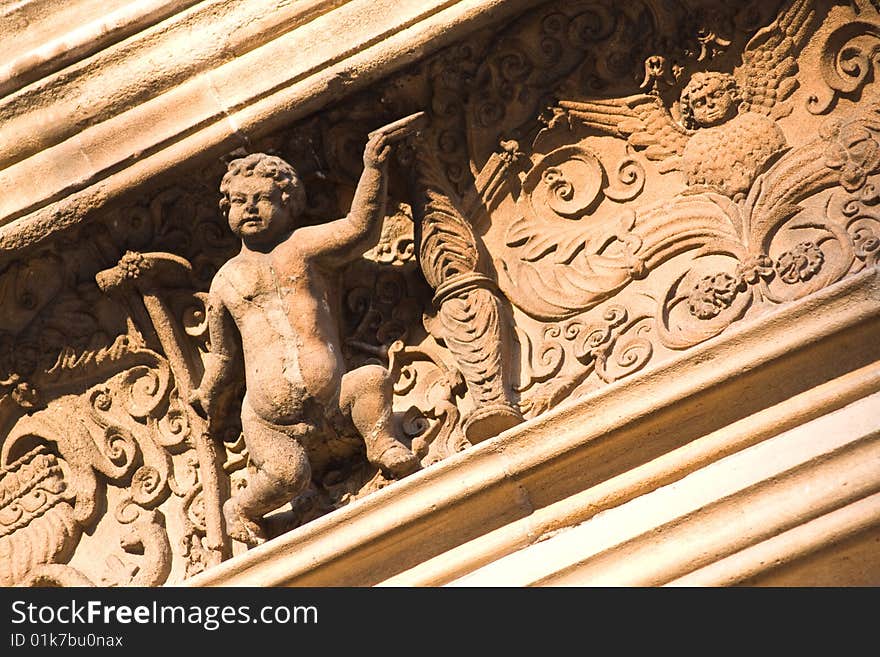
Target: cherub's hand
[
  {"x": 376, "y": 151},
  {"x": 201, "y": 403}
]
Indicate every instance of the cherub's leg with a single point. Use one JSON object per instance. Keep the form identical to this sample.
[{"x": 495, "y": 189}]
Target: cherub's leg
[
  {"x": 280, "y": 471},
  {"x": 365, "y": 396}
]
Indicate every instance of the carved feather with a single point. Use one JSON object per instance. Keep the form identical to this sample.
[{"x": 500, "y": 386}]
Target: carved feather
[
  {"x": 642, "y": 120},
  {"x": 767, "y": 75}
]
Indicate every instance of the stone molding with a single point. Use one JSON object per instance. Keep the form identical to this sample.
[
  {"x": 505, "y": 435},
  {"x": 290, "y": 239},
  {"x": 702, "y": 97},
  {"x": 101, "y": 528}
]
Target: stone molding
[
  {"x": 806, "y": 474},
  {"x": 214, "y": 99},
  {"x": 666, "y": 469},
  {"x": 83, "y": 41}
]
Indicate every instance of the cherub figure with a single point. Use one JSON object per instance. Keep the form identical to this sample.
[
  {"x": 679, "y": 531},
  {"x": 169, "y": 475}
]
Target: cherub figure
[
  {"x": 273, "y": 304},
  {"x": 728, "y": 129}
]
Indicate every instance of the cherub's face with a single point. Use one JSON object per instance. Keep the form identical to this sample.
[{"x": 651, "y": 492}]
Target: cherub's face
[
  {"x": 712, "y": 104},
  {"x": 256, "y": 210}
]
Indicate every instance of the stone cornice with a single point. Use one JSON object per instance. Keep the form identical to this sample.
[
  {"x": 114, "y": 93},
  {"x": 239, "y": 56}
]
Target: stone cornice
[
  {"x": 623, "y": 488},
  {"x": 83, "y": 135},
  {"x": 83, "y": 41}
]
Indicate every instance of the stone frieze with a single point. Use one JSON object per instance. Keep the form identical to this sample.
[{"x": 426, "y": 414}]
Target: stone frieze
[{"x": 596, "y": 188}]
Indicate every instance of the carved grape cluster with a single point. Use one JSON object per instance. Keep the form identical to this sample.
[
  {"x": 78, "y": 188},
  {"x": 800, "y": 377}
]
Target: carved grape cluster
[{"x": 131, "y": 264}]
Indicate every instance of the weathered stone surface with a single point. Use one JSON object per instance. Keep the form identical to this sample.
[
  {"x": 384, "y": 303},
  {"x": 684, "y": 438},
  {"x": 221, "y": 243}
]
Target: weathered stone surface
[{"x": 593, "y": 257}]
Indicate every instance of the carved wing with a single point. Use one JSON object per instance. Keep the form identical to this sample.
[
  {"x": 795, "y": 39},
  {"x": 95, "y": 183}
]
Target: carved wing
[
  {"x": 767, "y": 74},
  {"x": 642, "y": 120}
]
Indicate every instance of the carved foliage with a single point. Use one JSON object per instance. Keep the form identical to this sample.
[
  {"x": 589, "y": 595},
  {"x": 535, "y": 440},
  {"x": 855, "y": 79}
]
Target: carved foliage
[
  {"x": 104, "y": 415},
  {"x": 516, "y": 79},
  {"x": 468, "y": 308},
  {"x": 740, "y": 235}
]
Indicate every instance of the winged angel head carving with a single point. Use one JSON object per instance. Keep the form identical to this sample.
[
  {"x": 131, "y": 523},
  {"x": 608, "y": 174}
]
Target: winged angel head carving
[{"x": 728, "y": 131}]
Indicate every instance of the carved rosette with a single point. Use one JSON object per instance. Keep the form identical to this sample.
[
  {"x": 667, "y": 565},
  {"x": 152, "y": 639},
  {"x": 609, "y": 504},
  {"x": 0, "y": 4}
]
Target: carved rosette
[{"x": 467, "y": 303}]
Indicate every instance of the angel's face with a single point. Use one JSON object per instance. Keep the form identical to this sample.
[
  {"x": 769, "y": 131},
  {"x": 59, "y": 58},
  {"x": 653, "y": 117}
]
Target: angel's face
[
  {"x": 256, "y": 209},
  {"x": 713, "y": 103}
]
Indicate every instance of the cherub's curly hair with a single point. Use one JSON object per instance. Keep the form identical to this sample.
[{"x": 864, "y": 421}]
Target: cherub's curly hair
[
  {"x": 697, "y": 82},
  {"x": 268, "y": 166}
]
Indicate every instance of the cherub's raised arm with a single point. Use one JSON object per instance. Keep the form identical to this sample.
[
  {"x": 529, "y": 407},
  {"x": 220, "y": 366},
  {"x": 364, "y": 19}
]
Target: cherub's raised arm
[{"x": 340, "y": 241}]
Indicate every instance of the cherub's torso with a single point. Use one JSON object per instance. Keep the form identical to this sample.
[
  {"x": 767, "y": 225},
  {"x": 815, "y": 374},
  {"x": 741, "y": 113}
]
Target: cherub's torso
[
  {"x": 281, "y": 304},
  {"x": 728, "y": 157}
]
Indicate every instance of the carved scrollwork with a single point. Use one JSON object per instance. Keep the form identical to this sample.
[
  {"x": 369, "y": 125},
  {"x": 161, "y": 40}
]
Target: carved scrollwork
[
  {"x": 846, "y": 155},
  {"x": 541, "y": 360},
  {"x": 174, "y": 429},
  {"x": 631, "y": 351},
  {"x": 859, "y": 215},
  {"x": 628, "y": 181},
  {"x": 613, "y": 344},
  {"x": 104, "y": 440},
  {"x": 383, "y": 294},
  {"x": 567, "y": 181},
  {"x": 144, "y": 275},
  {"x": 571, "y": 181},
  {"x": 396, "y": 242},
  {"x": 433, "y": 422},
  {"x": 110, "y": 416},
  {"x": 562, "y": 270},
  {"x": 847, "y": 62}
]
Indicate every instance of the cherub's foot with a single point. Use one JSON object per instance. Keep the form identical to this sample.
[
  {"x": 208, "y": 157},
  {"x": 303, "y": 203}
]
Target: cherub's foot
[
  {"x": 397, "y": 461},
  {"x": 240, "y": 527}
]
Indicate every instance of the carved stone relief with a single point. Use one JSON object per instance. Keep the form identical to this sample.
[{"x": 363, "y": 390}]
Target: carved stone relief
[{"x": 596, "y": 186}]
